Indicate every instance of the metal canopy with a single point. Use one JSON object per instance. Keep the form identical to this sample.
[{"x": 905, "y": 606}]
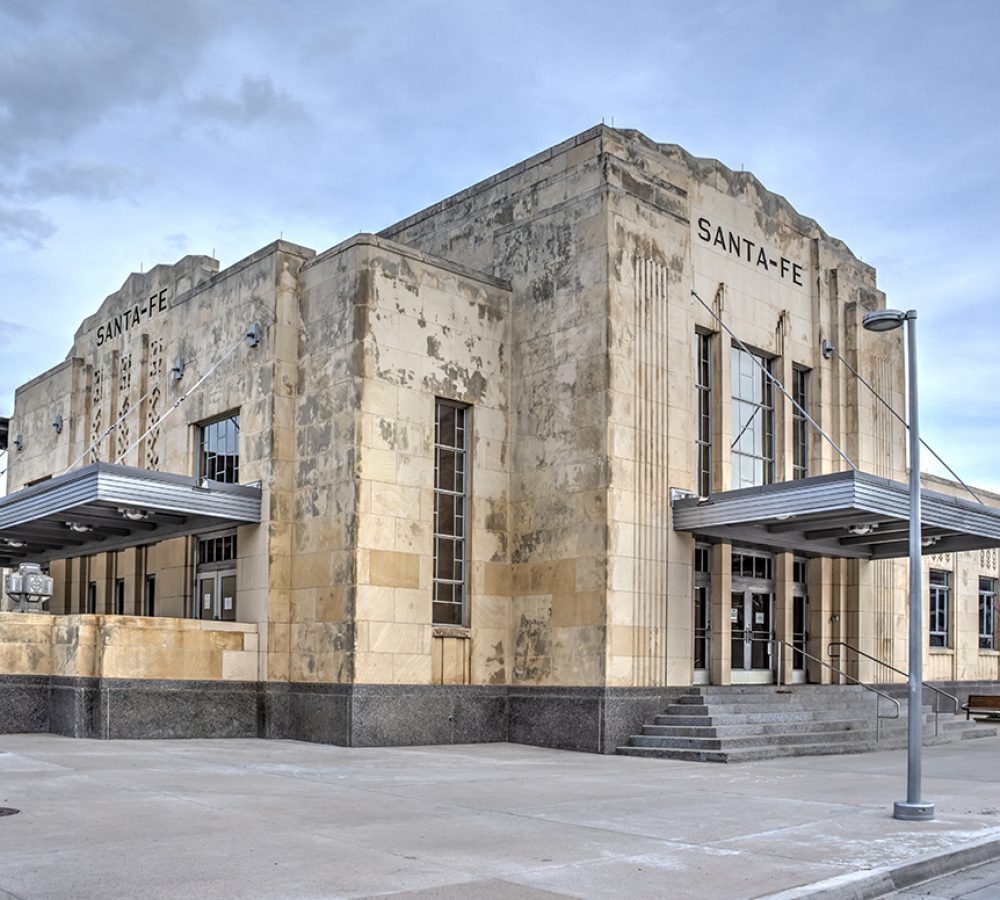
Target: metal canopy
[
  {"x": 106, "y": 507},
  {"x": 847, "y": 514}
]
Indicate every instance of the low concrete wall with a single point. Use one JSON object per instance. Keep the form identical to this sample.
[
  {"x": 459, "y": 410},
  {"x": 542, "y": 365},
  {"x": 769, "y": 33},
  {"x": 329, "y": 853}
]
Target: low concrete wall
[{"x": 127, "y": 647}]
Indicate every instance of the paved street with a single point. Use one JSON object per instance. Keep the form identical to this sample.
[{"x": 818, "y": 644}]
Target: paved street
[
  {"x": 248, "y": 818},
  {"x": 979, "y": 883}
]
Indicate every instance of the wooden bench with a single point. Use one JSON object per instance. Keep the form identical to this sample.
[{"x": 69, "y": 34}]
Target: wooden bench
[{"x": 982, "y": 704}]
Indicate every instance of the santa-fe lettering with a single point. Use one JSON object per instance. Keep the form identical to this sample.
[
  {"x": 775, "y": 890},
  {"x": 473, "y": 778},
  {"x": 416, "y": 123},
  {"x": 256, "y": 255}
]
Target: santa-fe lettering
[
  {"x": 762, "y": 258},
  {"x": 704, "y": 229},
  {"x": 797, "y": 274}
]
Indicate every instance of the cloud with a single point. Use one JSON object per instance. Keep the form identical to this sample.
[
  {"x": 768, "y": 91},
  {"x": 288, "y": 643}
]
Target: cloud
[
  {"x": 88, "y": 180},
  {"x": 25, "y": 226},
  {"x": 257, "y": 100},
  {"x": 64, "y": 72},
  {"x": 179, "y": 241},
  {"x": 9, "y": 331}
]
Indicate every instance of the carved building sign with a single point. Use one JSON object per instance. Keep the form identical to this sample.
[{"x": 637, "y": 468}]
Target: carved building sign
[
  {"x": 750, "y": 252},
  {"x": 132, "y": 317}
]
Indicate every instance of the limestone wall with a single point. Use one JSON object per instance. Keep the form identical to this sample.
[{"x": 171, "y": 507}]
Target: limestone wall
[{"x": 95, "y": 646}]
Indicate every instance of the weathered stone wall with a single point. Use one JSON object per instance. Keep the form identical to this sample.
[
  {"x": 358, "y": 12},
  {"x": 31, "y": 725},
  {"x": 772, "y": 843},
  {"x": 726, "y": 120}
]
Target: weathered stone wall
[
  {"x": 542, "y": 226},
  {"x": 92, "y": 646},
  {"x": 432, "y": 330}
]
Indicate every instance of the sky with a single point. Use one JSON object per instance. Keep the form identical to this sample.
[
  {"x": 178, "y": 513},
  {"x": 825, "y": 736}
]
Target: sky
[{"x": 138, "y": 131}]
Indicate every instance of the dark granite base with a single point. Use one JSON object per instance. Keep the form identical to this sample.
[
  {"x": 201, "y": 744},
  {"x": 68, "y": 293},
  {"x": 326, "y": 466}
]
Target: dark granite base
[
  {"x": 588, "y": 719},
  {"x": 24, "y": 704}
]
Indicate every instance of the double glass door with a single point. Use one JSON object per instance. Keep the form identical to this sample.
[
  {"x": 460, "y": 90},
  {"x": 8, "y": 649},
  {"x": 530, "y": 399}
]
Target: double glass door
[
  {"x": 216, "y": 596},
  {"x": 752, "y": 624}
]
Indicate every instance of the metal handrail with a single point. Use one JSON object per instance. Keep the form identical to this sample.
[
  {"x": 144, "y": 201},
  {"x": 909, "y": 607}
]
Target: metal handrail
[
  {"x": 879, "y": 694},
  {"x": 875, "y": 659}
]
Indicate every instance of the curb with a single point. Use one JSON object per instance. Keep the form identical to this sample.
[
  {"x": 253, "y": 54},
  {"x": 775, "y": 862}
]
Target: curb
[{"x": 877, "y": 883}]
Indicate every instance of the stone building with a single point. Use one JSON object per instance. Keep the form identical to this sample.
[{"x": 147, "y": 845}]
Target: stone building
[{"x": 517, "y": 467}]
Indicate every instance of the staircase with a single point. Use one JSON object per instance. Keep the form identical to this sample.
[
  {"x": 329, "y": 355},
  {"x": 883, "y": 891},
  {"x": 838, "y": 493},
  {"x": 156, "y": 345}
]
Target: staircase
[{"x": 744, "y": 722}]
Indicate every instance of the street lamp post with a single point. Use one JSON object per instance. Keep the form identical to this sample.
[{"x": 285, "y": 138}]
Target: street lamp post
[{"x": 913, "y": 808}]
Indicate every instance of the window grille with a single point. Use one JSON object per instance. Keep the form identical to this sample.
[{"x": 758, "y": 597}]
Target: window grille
[
  {"x": 703, "y": 425},
  {"x": 940, "y": 589},
  {"x": 800, "y": 424},
  {"x": 450, "y": 500},
  {"x": 753, "y": 420},
  {"x": 987, "y": 613},
  {"x": 219, "y": 450}
]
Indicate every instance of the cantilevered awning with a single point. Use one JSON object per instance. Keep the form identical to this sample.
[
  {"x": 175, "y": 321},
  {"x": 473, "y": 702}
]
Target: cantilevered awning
[
  {"x": 107, "y": 507},
  {"x": 851, "y": 514}
]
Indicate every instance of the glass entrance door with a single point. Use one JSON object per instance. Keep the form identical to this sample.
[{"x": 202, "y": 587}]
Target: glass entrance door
[
  {"x": 751, "y": 618},
  {"x": 216, "y": 596}
]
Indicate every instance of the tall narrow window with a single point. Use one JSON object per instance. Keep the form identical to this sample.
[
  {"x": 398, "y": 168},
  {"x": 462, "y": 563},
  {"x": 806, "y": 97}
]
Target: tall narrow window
[
  {"x": 219, "y": 450},
  {"x": 119, "y": 596},
  {"x": 800, "y": 430},
  {"x": 987, "y": 614},
  {"x": 940, "y": 604},
  {"x": 703, "y": 406},
  {"x": 91, "y": 597},
  {"x": 149, "y": 596},
  {"x": 753, "y": 420},
  {"x": 702, "y": 604},
  {"x": 450, "y": 497}
]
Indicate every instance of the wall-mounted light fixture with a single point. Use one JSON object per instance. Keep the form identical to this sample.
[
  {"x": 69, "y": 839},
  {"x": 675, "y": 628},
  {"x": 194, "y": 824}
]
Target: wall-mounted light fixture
[
  {"x": 863, "y": 529},
  {"x": 18, "y": 442},
  {"x": 253, "y": 335},
  {"x": 15, "y": 543},
  {"x": 57, "y": 424},
  {"x": 133, "y": 514},
  {"x": 80, "y": 527},
  {"x": 177, "y": 369}
]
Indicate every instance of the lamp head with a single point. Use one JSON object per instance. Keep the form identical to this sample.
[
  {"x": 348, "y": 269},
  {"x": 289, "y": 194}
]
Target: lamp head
[{"x": 884, "y": 319}]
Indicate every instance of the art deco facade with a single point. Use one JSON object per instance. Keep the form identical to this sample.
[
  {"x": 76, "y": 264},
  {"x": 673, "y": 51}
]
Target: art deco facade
[{"x": 511, "y": 468}]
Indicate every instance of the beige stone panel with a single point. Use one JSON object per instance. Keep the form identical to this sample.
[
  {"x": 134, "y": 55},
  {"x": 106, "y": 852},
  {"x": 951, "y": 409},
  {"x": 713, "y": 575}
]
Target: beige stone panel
[
  {"x": 394, "y": 569},
  {"x": 278, "y": 604},
  {"x": 376, "y": 531},
  {"x": 374, "y": 604},
  {"x": 330, "y": 605},
  {"x": 377, "y": 465},
  {"x": 415, "y": 469},
  {"x": 411, "y": 536},
  {"x": 251, "y": 642},
  {"x": 380, "y": 398},
  {"x": 412, "y": 606},
  {"x": 302, "y": 607},
  {"x": 373, "y": 668},
  {"x": 311, "y": 570},
  {"x": 278, "y": 666},
  {"x": 489, "y": 656},
  {"x": 278, "y": 637},
  {"x": 493, "y": 578},
  {"x": 392, "y": 637},
  {"x": 239, "y": 666},
  {"x": 395, "y": 500},
  {"x": 411, "y": 668},
  {"x": 581, "y": 609},
  {"x": 620, "y": 671},
  {"x": 490, "y": 612}
]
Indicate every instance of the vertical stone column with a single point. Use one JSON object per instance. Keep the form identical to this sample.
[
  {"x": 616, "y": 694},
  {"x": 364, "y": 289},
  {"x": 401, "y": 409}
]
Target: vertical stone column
[
  {"x": 820, "y": 610},
  {"x": 721, "y": 646},
  {"x": 783, "y": 614}
]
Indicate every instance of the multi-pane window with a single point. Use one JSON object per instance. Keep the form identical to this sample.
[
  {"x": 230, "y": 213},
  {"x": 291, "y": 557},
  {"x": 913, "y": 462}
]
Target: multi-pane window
[
  {"x": 221, "y": 548},
  {"x": 987, "y": 613},
  {"x": 940, "y": 604},
  {"x": 753, "y": 420},
  {"x": 800, "y": 431},
  {"x": 747, "y": 564},
  {"x": 219, "y": 450},
  {"x": 703, "y": 405},
  {"x": 451, "y": 458}
]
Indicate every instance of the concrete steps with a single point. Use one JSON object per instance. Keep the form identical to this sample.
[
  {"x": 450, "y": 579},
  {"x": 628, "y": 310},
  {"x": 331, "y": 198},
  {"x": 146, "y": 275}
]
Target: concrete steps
[{"x": 743, "y": 722}]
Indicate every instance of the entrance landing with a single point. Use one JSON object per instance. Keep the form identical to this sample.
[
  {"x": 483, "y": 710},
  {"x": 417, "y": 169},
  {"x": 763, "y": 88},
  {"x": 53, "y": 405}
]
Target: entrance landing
[{"x": 737, "y": 723}]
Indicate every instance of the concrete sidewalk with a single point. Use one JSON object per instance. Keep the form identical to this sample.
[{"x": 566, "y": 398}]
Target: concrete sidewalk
[{"x": 247, "y": 818}]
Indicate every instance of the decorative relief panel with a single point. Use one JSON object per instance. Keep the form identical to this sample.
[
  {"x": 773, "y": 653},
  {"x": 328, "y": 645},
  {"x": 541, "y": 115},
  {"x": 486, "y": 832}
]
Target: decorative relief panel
[
  {"x": 988, "y": 560},
  {"x": 154, "y": 373},
  {"x": 941, "y": 560},
  {"x": 124, "y": 431},
  {"x": 651, "y": 490},
  {"x": 96, "y": 415}
]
